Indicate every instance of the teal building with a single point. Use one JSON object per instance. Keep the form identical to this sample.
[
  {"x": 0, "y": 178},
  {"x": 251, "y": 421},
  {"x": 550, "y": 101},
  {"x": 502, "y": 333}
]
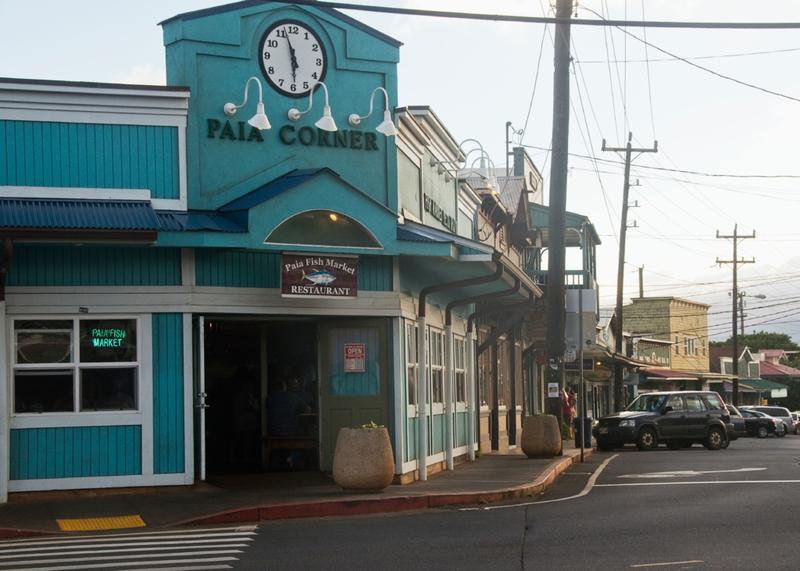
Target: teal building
[{"x": 172, "y": 253}]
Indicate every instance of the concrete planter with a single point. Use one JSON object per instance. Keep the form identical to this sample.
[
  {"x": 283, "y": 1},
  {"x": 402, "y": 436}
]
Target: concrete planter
[
  {"x": 541, "y": 436},
  {"x": 363, "y": 460}
]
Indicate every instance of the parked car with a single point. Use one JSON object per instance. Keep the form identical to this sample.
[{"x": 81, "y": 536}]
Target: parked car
[
  {"x": 737, "y": 420},
  {"x": 796, "y": 420},
  {"x": 757, "y": 423},
  {"x": 676, "y": 418},
  {"x": 783, "y": 418}
]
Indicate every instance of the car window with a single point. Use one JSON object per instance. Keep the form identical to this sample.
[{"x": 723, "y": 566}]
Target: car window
[
  {"x": 694, "y": 404},
  {"x": 749, "y": 414},
  {"x": 714, "y": 402},
  {"x": 646, "y": 403},
  {"x": 676, "y": 402}
]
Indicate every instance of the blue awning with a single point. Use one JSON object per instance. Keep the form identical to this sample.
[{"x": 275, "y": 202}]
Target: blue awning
[{"x": 77, "y": 214}]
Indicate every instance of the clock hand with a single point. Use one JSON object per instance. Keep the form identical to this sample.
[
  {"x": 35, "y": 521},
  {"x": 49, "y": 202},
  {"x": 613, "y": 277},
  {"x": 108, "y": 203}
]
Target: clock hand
[{"x": 292, "y": 55}]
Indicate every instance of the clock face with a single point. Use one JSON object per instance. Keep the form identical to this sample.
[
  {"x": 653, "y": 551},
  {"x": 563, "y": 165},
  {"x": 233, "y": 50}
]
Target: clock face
[{"x": 292, "y": 58}]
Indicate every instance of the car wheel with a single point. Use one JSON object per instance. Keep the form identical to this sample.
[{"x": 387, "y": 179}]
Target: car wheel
[
  {"x": 647, "y": 439},
  {"x": 605, "y": 446},
  {"x": 726, "y": 443},
  {"x": 783, "y": 431},
  {"x": 762, "y": 432},
  {"x": 715, "y": 439}
]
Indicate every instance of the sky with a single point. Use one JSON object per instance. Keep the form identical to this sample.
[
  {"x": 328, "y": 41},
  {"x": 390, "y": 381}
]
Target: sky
[{"x": 723, "y": 105}]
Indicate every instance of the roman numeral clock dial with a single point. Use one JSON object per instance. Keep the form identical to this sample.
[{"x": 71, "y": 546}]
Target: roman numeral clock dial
[{"x": 292, "y": 58}]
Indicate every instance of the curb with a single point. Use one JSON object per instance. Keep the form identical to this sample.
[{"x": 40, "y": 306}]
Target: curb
[
  {"x": 345, "y": 507},
  {"x": 327, "y": 508}
]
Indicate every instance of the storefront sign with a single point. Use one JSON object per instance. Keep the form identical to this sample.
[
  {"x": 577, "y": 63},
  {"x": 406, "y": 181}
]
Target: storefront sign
[
  {"x": 354, "y": 357},
  {"x": 574, "y": 365},
  {"x": 436, "y": 211},
  {"x": 291, "y": 135},
  {"x": 599, "y": 374},
  {"x": 319, "y": 276},
  {"x": 107, "y": 337}
]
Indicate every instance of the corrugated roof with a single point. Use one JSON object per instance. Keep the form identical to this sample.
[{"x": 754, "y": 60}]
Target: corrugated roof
[
  {"x": 196, "y": 221},
  {"x": 406, "y": 234},
  {"x": 77, "y": 214}
]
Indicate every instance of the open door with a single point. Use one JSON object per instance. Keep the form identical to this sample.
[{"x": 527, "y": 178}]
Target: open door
[
  {"x": 354, "y": 379},
  {"x": 198, "y": 350}
]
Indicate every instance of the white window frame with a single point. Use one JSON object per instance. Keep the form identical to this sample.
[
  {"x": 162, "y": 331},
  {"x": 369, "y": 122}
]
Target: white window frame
[
  {"x": 411, "y": 332},
  {"x": 690, "y": 346},
  {"x": 75, "y": 417},
  {"x": 436, "y": 353},
  {"x": 460, "y": 372}
]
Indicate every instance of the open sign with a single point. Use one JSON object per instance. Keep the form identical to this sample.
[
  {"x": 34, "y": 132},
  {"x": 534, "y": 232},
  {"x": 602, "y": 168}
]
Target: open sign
[{"x": 354, "y": 357}]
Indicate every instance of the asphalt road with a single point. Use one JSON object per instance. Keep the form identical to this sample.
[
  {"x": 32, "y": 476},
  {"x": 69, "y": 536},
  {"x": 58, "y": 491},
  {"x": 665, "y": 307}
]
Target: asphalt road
[
  {"x": 690, "y": 509},
  {"x": 687, "y": 509}
]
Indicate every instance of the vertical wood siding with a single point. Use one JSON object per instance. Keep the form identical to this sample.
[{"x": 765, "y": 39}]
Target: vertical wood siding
[
  {"x": 355, "y": 384},
  {"x": 76, "y": 452},
  {"x": 168, "y": 432},
  {"x": 39, "y": 265},
  {"x": 215, "y": 268},
  {"x": 375, "y": 273},
  {"x": 78, "y": 155}
]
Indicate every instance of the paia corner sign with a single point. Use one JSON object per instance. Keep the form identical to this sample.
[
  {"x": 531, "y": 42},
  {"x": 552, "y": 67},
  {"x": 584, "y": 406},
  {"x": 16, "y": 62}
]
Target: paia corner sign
[{"x": 312, "y": 275}]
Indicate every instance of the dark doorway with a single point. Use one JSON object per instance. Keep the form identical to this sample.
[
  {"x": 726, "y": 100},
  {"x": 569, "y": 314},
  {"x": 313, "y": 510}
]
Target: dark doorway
[{"x": 242, "y": 359}]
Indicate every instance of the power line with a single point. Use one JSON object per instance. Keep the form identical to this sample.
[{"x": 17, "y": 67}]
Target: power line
[{"x": 544, "y": 20}]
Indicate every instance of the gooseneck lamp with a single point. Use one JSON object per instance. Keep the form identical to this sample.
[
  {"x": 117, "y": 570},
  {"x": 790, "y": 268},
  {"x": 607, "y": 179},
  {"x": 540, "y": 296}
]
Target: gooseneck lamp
[
  {"x": 259, "y": 120},
  {"x": 326, "y": 123},
  {"x": 387, "y": 126}
]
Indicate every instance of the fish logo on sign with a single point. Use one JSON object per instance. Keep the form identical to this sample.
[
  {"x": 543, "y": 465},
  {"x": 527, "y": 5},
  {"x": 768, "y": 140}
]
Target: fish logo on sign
[{"x": 319, "y": 277}]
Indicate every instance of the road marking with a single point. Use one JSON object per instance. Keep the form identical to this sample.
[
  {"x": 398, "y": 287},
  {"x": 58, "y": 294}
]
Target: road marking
[
  {"x": 715, "y": 482},
  {"x": 678, "y": 473},
  {"x": 670, "y": 563},
  {"x": 585, "y": 491}
]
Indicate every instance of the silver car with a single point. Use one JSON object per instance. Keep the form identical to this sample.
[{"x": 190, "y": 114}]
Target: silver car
[{"x": 779, "y": 413}]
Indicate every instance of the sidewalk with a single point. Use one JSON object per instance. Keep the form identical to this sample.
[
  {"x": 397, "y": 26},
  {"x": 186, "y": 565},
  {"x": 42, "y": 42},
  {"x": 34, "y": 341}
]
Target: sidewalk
[{"x": 259, "y": 497}]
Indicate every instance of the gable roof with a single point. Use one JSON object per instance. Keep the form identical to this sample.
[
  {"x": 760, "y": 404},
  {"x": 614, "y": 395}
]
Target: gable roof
[
  {"x": 206, "y": 12},
  {"x": 284, "y": 183}
]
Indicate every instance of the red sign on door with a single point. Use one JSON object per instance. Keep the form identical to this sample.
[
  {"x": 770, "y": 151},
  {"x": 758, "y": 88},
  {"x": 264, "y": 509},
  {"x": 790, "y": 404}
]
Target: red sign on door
[{"x": 354, "y": 357}]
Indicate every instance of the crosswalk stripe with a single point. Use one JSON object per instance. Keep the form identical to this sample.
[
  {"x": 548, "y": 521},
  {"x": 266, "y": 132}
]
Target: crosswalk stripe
[{"x": 167, "y": 550}]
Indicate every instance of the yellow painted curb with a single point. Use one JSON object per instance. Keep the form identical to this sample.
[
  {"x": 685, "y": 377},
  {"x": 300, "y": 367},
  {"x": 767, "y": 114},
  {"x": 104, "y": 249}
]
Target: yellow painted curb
[{"x": 100, "y": 523}]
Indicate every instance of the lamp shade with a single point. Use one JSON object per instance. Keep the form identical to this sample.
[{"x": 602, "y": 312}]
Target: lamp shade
[
  {"x": 326, "y": 123},
  {"x": 259, "y": 120},
  {"x": 387, "y": 126}
]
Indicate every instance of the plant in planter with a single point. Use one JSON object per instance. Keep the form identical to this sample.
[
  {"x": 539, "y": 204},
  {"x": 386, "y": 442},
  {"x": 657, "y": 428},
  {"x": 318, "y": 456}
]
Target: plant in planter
[
  {"x": 363, "y": 459},
  {"x": 541, "y": 437}
]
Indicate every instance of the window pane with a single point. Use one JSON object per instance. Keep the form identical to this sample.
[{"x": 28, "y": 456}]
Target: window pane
[
  {"x": 461, "y": 387},
  {"x": 43, "y": 341},
  {"x": 412, "y": 385},
  {"x": 43, "y": 391},
  {"x": 108, "y": 389},
  {"x": 108, "y": 340},
  {"x": 436, "y": 379}
]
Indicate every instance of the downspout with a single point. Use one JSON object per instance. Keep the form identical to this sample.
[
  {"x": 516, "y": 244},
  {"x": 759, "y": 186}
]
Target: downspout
[
  {"x": 450, "y": 373},
  {"x": 422, "y": 407}
]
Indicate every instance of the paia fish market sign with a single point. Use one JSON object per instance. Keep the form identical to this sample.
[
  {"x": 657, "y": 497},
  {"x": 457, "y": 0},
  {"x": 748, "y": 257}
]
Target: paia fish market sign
[{"x": 319, "y": 276}]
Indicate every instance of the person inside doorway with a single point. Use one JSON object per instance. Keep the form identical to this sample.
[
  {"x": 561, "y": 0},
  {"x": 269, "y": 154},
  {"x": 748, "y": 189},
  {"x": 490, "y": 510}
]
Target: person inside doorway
[{"x": 283, "y": 419}]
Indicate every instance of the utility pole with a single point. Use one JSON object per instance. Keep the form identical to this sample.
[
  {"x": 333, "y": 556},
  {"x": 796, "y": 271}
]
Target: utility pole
[
  {"x": 619, "y": 388},
  {"x": 742, "y": 314},
  {"x": 735, "y": 296},
  {"x": 556, "y": 287}
]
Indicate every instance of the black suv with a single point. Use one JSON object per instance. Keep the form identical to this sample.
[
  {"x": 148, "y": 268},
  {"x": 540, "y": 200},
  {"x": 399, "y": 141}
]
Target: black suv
[{"x": 677, "y": 419}]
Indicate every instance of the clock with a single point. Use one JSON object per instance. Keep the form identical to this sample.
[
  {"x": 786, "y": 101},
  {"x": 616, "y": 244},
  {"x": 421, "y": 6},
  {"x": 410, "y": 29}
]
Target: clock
[{"x": 292, "y": 58}]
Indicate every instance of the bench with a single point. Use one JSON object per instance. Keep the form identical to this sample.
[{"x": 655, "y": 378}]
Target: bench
[{"x": 288, "y": 443}]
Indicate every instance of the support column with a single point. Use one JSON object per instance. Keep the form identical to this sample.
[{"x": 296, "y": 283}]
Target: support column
[
  {"x": 472, "y": 382},
  {"x": 422, "y": 399},
  {"x": 449, "y": 404}
]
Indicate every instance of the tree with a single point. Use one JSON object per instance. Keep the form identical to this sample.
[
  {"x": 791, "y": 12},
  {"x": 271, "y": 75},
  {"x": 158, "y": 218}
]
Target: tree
[{"x": 765, "y": 340}]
